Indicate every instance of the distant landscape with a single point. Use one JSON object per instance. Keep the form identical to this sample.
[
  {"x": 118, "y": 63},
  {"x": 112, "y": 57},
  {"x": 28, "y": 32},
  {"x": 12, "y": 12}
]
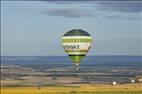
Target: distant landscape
[{"x": 52, "y": 70}]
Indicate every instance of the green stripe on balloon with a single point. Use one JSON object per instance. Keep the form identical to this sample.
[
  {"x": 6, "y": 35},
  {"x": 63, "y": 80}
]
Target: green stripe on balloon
[
  {"x": 76, "y": 58},
  {"x": 76, "y": 40},
  {"x": 68, "y": 51}
]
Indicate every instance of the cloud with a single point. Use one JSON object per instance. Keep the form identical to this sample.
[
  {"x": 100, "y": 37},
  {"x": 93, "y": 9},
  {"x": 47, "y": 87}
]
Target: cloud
[
  {"x": 62, "y": 2},
  {"x": 112, "y": 5},
  {"x": 71, "y": 13},
  {"x": 87, "y": 9},
  {"x": 120, "y": 6},
  {"x": 122, "y": 17}
]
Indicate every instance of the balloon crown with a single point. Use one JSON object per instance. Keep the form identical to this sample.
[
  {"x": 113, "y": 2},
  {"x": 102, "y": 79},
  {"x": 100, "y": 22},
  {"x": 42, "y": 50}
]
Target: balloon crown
[{"x": 77, "y": 32}]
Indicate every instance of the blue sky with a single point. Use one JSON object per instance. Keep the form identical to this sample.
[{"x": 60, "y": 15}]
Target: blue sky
[{"x": 36, "y": 27}]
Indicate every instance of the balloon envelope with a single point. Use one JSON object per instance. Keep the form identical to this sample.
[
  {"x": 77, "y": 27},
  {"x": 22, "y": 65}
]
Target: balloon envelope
[{"x": 76, "y": 43}]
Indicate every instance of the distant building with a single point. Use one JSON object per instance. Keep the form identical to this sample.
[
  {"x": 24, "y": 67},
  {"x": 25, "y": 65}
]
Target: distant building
[
  {"x": 138, "y": 79},
  {"x": 132, "y": 81},
  {"x": 114, "y": 83}
]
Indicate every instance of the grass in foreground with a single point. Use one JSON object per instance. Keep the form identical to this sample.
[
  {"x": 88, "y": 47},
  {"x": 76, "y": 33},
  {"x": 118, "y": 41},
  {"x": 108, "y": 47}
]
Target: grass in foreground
[{"x": 83, "y": 89}]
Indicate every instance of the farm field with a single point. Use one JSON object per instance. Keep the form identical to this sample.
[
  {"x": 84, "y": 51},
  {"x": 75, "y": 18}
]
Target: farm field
[{"x": 76, "y": 89}]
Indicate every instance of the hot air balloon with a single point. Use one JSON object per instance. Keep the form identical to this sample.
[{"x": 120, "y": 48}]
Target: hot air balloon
[{"x": 76, "y": 44}]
